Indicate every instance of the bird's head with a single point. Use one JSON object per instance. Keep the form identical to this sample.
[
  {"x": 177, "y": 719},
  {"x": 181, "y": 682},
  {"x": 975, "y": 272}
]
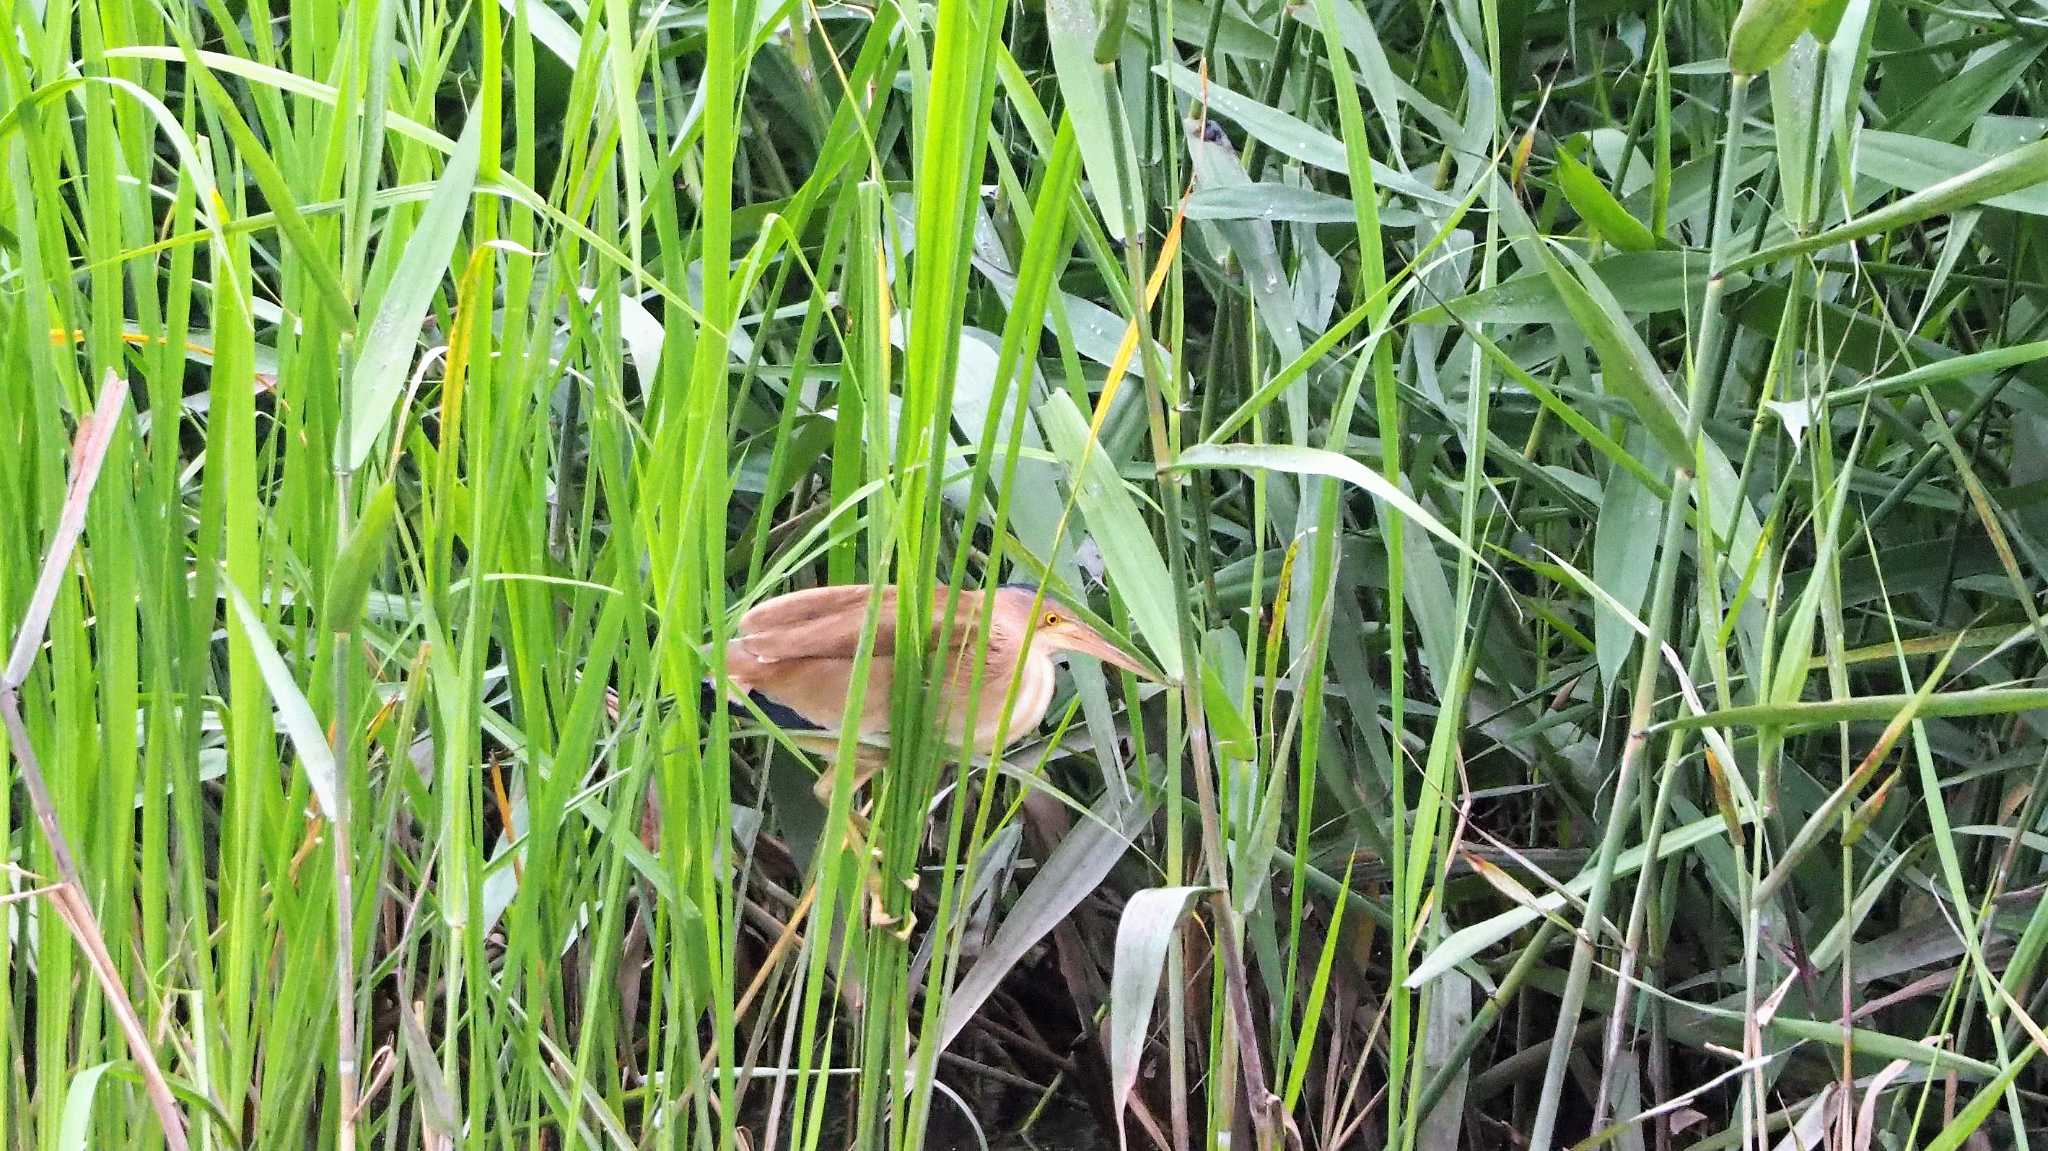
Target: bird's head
[{"x": 1059, "y": 628}]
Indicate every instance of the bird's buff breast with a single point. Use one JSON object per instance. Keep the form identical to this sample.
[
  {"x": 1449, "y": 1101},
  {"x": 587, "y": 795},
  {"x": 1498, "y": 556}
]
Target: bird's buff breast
[
  {"x": 1035, "y": 682},
  {"x": 1034, "y": 695}
]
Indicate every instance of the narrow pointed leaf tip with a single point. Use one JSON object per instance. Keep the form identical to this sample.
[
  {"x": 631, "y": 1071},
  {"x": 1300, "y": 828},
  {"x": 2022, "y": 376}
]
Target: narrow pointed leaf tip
[
  {"x": 387, "y": 345},
  {"x": 1319, "y": 462},
  {"x": 350, "y": 587}
]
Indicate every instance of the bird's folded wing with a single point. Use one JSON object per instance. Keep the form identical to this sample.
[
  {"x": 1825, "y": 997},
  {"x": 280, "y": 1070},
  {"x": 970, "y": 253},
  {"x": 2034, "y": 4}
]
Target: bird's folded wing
[
  {"x": 817, "y": 623},
  {"x": 826, "y": 622}
]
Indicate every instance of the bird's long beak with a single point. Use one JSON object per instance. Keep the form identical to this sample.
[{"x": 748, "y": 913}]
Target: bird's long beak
[{"x": 1087, "y": 641}]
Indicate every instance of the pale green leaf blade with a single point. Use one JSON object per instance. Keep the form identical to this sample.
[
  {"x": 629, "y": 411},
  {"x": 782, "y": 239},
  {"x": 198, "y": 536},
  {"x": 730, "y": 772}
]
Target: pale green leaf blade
[
  {"x": 1144, "y": 933},
  {"x": 1135, "y": 566},
  {"x": 1071, "y": 874},
  {"x": 308, "y": 738},
  {"x": 1318, "y": 462},
  {"x": 388, "y": 343}
]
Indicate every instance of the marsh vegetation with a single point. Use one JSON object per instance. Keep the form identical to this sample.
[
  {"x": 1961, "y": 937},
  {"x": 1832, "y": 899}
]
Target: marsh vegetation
[{"x": 1580, "y": 467}]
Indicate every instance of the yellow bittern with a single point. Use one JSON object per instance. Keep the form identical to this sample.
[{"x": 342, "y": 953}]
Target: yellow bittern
[{"x": 793, "y": 655}]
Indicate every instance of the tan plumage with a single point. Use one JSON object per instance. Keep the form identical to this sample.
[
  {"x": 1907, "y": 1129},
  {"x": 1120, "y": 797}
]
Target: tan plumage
[
  {"x": 796, "y": 652},
  {"x": 793, "y": 655}
]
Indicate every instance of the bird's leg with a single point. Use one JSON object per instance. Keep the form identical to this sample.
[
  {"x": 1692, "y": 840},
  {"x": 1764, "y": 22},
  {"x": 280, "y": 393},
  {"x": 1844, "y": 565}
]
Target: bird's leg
[
  {"x": 867, "y": 761},
  {"x": 879, "y": 914}
]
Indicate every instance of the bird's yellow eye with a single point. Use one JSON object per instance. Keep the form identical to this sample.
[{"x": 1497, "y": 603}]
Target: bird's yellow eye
[{"x": 1052, "y": 619}]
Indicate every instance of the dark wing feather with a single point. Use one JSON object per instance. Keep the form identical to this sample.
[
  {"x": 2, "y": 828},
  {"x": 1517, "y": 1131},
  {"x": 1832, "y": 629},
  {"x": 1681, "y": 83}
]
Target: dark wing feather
[{"x": 783, "y": 717}]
